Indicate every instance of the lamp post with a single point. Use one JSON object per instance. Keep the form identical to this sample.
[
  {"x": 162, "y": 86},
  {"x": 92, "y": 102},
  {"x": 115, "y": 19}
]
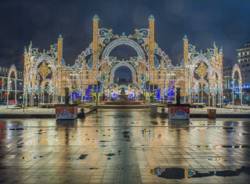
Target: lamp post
[
  {"x": 164, "y": 100},
  {"x": 232, "y": 91},
  {"x": 97, "y": 92}
]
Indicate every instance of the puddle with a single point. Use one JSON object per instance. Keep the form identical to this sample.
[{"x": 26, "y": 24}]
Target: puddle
[
  {"x": 125, "y": 132},
  {"x": 245, "y": 146},
  {"x": 235, "y": 146},
  {"x": 19, "y": 128},
  {"x": 93, "y": 168},
  {"x": 37, "y": 157},
  {"x": 154, "y": 122},
  {"x": 82, "y": 156},
  {"x": 227, "y": 146},
  {"x": 41, "y": 131},
  {"x": 181, "y": 173},
  {"x": 228, "y": 128},
  {"x": 103, "y": 141},
  {"x": 170, "y": 173},
  {"x": 245, "y": 133},
  {"x": 126, "y": 135},
  {"x": 110, "y": 154}
]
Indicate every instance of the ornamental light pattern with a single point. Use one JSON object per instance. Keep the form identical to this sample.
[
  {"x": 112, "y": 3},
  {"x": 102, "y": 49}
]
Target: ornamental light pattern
[{"x": 199, "y": 74}]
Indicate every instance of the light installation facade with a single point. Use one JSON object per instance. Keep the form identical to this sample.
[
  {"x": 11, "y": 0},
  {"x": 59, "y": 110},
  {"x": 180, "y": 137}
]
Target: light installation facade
[
  {"x": 11, "y": 84},
  {"x": 153, "y": 75}
]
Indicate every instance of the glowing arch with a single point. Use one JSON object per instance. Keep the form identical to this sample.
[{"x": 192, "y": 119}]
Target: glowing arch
[
  {"x": 46, "y": 59},
  {"x": 12, "y": 70},
  {"x": 123, "y": 41},
  {"x": 201, "y": 58},
  {"x": 132, "y": 69},
  {"x": 236, "y": 68}
]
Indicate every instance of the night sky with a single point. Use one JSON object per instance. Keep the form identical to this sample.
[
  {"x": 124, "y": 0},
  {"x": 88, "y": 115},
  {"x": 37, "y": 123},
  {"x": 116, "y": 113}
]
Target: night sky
[{"x": 225, "y": 21}]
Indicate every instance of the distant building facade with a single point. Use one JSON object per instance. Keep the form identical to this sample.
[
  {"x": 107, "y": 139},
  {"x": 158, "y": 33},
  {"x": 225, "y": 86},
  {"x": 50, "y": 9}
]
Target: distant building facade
[
  {"x": 236, "y": 78},
  {"x": 243, "y": 58}
]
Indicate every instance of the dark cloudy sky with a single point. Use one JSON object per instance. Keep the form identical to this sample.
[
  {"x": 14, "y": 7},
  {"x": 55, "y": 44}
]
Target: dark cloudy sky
[{"x": 225, "y": 21}]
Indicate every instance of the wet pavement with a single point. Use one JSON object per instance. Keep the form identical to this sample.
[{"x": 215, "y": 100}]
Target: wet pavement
[{"x": 124, "y": 146}]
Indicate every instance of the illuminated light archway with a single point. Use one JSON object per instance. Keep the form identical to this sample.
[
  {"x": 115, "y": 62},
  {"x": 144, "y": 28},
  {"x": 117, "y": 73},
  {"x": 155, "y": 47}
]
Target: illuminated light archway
[
  {"x": 9, "y": 83},
  {"x": 123, "y": 75},
  {"x": 202, "y": 69},
  {"x": 123, "y": 64},
  {"x": 45, "y": 82},
  {"x": 123, "y": 41},
  {"x": 94, "y": 65},
  {"x": 46, "y": 91},
  {"x": 236, "y": 70}
]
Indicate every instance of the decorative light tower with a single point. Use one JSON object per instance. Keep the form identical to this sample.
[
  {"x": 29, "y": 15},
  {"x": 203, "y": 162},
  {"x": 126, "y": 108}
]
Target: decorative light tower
[
  {"x": 59, "y": 50},
  {"x": 220, "y": 60},
  {"x": 95, "y": 51},
  {"x": 25, "y": 77},
  {"x": 185, "y": 49},
  {"x": 151, "y": 44},
  {"x": 59, "y": 67},
  {"x": 95, "y": 43},
  {"x": 187, "y": 69}
]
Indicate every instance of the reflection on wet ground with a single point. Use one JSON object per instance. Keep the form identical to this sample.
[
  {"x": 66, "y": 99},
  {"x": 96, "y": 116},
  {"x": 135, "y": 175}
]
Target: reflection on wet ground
[
  {"x": 181, "y": 173},
  {"x": 124, "y": 146}
]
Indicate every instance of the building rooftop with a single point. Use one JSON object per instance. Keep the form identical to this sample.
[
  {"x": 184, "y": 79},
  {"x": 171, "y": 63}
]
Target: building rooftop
[{"x": 245, "y": 45}]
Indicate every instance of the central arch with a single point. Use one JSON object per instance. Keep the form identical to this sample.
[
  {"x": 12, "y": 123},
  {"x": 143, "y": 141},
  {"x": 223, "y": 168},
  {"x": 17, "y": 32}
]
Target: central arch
[
  {"x": 123, "y": 41},
  {"x": 126, "y": 65},
  {"x": 123, "y": 75}
]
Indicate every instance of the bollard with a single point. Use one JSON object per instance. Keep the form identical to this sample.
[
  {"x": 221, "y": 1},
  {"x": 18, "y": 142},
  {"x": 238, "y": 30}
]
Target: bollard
[
  {"x": 67, "y": 98},
  {"x": 211, "y": 113},
  {"x": 163, "y": 110},
  {"x": 82, "y": 113},
  {"x": 153, "y": 110}
]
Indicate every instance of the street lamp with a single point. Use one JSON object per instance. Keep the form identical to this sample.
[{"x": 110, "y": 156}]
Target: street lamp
[{"x": 97, "y": 92}]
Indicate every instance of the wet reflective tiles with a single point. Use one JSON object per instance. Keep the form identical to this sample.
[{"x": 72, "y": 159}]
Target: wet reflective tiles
[{"x": 121, "y": 147}]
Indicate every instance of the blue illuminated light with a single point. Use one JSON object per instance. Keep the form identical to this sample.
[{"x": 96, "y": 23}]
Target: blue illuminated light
[
  {"x": 88, "y": 94},
  {"x": 114, "y": 96},
  {"x": 131, "y": 96},
  {"x": 171, "y": 92},
  {"x": 158, "y": 94},
  {"x": 75, "y": 95}
]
